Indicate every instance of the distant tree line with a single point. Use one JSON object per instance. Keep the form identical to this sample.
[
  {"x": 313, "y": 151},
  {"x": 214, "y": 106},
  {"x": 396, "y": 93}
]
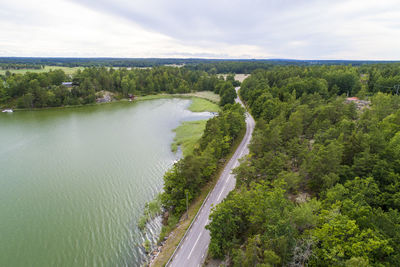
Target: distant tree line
[
  {"x": 231, "y": 66},
  {"x": 321, "y": 184},
  {"x": 16, "y": 66},
  {"x": 209, "y": 65},
  {"x": 97, "y": 62}
]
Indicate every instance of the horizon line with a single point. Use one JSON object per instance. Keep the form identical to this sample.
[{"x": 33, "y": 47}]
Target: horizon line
[{"x": 199, "y": 58}]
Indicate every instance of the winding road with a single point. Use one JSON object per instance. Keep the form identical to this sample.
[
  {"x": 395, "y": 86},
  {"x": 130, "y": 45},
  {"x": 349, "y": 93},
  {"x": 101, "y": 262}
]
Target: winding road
[{"x": 192, "y": 250}]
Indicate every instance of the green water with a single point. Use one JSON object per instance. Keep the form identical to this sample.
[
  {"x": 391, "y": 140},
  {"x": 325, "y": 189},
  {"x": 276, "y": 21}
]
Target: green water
[{"x": 73, "y": 182}]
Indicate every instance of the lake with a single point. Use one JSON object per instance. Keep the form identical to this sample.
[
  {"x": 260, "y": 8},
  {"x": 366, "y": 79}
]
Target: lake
[{"x": 74, "y": 182}]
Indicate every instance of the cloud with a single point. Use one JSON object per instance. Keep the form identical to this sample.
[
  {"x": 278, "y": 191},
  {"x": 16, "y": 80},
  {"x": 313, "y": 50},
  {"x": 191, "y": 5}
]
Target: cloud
[
  {"x": 302, "y": 29},
  {"x": 60, "y": 28},
  {"x": 297, "y": 28}
]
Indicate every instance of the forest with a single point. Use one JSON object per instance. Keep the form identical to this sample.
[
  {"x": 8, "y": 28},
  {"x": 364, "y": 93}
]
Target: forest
[
  {"x": 210, "y": 65},
  {"x": 95, "y": 62},
  {"x": 321, "y": 184},
  {"x": 40, "y": 90},
  {"x": 248, "y": 66}
]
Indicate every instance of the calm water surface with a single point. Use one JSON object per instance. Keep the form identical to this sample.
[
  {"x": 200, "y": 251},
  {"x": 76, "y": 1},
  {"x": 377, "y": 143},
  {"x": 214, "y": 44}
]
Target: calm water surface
[{"x": 73, "y": 182}]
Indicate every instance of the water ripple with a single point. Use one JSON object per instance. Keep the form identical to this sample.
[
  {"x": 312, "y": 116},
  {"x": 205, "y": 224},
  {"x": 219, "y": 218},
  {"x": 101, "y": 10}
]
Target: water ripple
[{"x": 74, "y": 182}]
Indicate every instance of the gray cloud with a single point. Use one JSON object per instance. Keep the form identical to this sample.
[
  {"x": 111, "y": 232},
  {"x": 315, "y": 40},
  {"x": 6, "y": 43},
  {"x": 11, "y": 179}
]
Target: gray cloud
[
  {"x": 313, "y": 29},
  {"x": 291, "y": 28}
]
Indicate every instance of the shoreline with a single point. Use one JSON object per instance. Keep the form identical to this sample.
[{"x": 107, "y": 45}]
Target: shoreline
[
  {"x": 180, "y": 144},
  {"x": 138, "y": 99}
]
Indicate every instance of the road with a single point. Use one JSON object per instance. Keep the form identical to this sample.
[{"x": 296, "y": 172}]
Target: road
[{"x": 193, "y": 248}]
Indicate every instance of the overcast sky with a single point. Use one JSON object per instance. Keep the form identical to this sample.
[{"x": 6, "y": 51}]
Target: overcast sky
[{"x": 297, "y": 29}]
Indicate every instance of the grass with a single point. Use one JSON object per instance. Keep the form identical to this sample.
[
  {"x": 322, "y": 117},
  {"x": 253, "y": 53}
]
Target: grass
[
  {"x": 201, "y": 101},
  {"x": 201, "y": 105},
  {"x": 67, "y": 70},
  {"x": 189, "y": 132},
  {"x": 187, "y": 136},
  {"x": 151, "y": 97},
  {"x": 208, "y": 95},
  {"x": 175, "y": 228}
]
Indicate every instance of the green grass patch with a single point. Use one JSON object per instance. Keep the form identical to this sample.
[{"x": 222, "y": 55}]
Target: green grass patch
[
  {"x": 209, "y": 95},
  {"x": 201, "y": 105},
  {"x": 205, "y": 95},
  {"x": 151, "y": 97},
  {"x": 67, "y": 70},
  {"x": 187, "y": 136}
]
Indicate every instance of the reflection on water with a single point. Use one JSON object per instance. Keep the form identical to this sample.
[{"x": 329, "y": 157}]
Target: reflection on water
[{"x": 73, "y": 182}]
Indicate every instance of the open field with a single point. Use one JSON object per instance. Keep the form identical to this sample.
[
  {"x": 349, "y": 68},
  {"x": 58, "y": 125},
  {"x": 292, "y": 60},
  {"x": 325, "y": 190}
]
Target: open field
[
  {"x": 187, "y": 136},
  {"x": 67, "y": 70},
  {"x": 239, "y": 77}
]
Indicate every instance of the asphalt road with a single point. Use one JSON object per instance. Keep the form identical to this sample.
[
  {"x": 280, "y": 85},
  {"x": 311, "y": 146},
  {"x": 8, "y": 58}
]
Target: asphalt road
[{"x": 193, "y": 249}]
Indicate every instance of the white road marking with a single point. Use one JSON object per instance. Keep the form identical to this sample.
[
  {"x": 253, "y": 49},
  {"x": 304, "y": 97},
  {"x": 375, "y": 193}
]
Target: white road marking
[
  {"x": 227, "y": 179},
  {"x": 220, "y": 195},
  {"x": 221, "y": 185},
  {"x": 195, "y": 243}
]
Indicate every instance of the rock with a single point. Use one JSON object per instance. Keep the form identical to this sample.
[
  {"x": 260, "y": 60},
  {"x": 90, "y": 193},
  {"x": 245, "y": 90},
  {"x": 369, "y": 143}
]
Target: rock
[
  {"x": 302, "y": 197},
  {"x": 165, "y": 217},
  {"x": 360, "y": 104}
]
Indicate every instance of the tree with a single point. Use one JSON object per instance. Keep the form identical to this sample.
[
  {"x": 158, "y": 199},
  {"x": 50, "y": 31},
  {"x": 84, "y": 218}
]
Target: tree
[
  {"x": 57, "y": 77},
  {"x": 340, "y": 239},
  {"x": 3, "y": 93},
  {"x": 26, "y": 101},
  {"x": 228, "y": 222},
  {"x": 125, "y": 85}
]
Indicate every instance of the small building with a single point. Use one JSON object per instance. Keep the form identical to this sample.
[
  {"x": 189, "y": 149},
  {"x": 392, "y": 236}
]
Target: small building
[{"x": 67, "y": 84}]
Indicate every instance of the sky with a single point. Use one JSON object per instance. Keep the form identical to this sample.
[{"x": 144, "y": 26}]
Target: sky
[{"x": 291, "y": 29}]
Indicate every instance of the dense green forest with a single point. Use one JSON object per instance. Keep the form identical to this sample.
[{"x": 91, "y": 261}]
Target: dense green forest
[
  {"x": 38, "y": 90},
  {"x": 321, "y": 184},
  {"x": 209, "y": 65},
  {"x": 231, "y": 66},
  {"x": 96, "y": 62},
  {"x": 18, "y": 66},
  {"x": 248, "y": 66}
]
